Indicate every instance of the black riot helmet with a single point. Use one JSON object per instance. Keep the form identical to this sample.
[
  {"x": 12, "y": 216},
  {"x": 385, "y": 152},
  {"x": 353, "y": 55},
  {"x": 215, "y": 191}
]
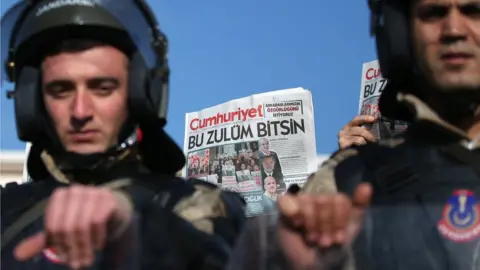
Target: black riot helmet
[
  {"x": 29, "y": 27},
  {"x": 389, "y": 24}
]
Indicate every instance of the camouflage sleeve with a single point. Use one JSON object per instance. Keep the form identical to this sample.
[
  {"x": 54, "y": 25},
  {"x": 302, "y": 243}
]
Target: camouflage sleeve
[
  {"x": 258, "y": 248},
  {"x": 342, "y": 172},
  {"x": 218, "y": 217},
  {"x": 186, "y": 225},
  {"x": 213, "y": 211}
]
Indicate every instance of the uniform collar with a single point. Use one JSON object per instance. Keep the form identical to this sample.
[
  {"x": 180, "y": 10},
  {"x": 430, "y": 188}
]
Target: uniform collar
[
  {"x": 119, "y": 166},
  {"x": 425, "y": 114}
]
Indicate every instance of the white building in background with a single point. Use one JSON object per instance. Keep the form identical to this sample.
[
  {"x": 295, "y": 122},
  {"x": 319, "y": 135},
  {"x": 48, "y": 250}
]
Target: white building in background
[{"x": 12, "y": 166}]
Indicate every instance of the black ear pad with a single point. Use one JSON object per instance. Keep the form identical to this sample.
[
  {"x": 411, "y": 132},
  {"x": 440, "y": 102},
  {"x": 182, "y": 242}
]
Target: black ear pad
[
  {"x": 137, "y": 84},
  {"x": 28, "y": 104},
  {"x": 395, "y": 56},
  {"x": 148, "y": 95},
  {"x": 148, "y": 98},
  {"x": 393, "y": 40}
]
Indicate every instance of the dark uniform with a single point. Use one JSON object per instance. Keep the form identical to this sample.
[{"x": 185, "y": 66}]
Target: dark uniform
[
  {"x": 178, "y": 224},
  {"x": 425, "y": 209}
]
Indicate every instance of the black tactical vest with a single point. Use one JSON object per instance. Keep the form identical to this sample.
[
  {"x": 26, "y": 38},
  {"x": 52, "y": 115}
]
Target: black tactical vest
[{"x": 425, "y": 212}]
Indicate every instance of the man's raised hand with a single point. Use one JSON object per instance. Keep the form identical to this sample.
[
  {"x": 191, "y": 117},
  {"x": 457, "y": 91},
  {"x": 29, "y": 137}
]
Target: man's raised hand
[{"x": 354, "y": 134}]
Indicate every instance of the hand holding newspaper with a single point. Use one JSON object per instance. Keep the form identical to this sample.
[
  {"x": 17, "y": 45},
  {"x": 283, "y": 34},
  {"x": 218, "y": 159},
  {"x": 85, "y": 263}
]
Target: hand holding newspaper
[
  {"x": 257, "y": 145},
  {"x": 372, "y": 87}
]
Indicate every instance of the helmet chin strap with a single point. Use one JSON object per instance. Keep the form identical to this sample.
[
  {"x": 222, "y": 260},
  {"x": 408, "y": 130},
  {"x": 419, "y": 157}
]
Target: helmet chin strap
[
  {"x": 97, "y": 161},
  {"x": 102, "y": 160}
]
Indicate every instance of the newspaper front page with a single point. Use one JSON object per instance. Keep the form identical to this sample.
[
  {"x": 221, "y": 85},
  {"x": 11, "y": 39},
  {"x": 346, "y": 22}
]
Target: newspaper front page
[
  {"x": 257, "y": 146},
  {"x": 371, "y": 88}
]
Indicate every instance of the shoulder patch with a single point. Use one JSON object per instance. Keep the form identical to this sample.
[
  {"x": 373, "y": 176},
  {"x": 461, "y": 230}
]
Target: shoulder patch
[
  {"x": 201, "y": 207},
  {"x": 324, "y": 180}
]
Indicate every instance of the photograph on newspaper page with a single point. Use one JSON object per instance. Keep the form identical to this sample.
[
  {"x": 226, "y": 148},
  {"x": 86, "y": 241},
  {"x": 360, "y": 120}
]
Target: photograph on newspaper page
[
  {"x": 257, "y": 146},
  {"x": 371, "y": 88}
]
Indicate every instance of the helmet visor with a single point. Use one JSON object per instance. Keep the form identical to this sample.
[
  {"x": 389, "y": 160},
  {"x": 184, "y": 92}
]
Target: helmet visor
[
  {"x": 42, "y": 15},
  {"x": 7, "y": 24}
]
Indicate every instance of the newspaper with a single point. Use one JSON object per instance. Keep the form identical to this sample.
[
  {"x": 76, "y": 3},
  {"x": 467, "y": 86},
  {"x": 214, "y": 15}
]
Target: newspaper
[
  {"x": 372, "y": 86},
  {"x": 257, "y": 146}
]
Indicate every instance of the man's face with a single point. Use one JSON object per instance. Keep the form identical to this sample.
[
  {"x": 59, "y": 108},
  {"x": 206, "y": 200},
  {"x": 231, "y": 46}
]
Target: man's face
[
  {"x": 268, "y": 164},
  {"x": 446, "y": 35},
  {"x": 270, "y": 185},
  {"x": 85, "y": 95},
  {"x": 264, "y": 145}
]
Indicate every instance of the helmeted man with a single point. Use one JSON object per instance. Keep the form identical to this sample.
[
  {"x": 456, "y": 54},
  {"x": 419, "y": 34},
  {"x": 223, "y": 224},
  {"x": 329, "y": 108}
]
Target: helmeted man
[
  {"x": 88, "y": 74},
  {"x": 409, "y": 202}
]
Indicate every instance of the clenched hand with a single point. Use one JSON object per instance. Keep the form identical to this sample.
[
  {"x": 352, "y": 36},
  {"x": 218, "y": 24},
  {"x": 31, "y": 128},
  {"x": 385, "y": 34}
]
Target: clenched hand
[
  {"x": 311, "y": 222},
  {"x": 78, "y": 221}
]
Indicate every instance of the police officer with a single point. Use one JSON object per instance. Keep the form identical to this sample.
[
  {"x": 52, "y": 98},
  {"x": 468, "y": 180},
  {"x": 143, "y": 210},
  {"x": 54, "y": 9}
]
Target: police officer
[
  {"x": 409, "y": 202},
  {"x": 426, "y": 181},
  {"x": 87, "y": 74}
]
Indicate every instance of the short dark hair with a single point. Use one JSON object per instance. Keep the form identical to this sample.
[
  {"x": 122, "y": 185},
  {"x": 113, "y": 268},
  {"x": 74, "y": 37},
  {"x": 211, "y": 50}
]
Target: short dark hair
[
  {"x": 73, "y": 45},
  {"x": 268, "y": 156}
]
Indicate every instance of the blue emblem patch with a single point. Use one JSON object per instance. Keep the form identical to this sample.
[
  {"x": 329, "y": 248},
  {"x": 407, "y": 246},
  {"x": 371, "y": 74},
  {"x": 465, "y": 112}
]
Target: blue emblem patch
[{"x": 460, "y": 217}]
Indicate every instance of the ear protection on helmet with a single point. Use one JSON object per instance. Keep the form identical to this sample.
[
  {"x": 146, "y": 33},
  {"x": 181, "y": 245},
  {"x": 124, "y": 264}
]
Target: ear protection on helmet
[
  {"x": 390, "y": 26},
  {"x": 152, "y": 102},
  {"x": 28, "y": 105},
  {"x": 148, "y": 84}
]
